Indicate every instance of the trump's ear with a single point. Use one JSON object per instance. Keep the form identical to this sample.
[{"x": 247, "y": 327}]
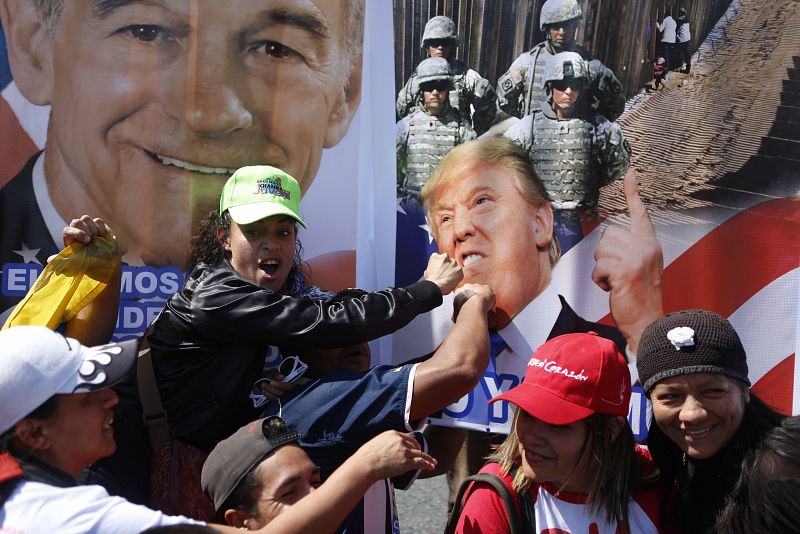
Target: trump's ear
[
  {"x": 543, "y": 225},
  {"x": 342, "y": 111},
  {"x": 30, "y": 49}
]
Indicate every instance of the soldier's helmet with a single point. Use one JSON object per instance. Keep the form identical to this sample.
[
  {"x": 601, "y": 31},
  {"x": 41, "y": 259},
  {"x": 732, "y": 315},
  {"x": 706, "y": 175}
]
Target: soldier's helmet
[
  {"x": 434, "y": 69},
  {"x": 440, "y": 27},
  {"x": 554, "y": 11},
  {"x": 565, "y": 66}
]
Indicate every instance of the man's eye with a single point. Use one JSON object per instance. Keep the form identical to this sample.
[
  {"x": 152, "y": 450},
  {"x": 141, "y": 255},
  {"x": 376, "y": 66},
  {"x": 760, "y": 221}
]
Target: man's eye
[
  {"x": 276, "y": 50},
  {"x": 147, "y": 33},
  {"x": 481, "y": 200},
  {"x": 445, "y": 218}
]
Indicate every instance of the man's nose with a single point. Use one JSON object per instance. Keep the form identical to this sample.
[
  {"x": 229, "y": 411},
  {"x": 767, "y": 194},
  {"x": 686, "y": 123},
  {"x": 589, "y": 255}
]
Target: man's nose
[
  {"x": 462, "y": 224},
  {"x": 213, "y": 104}
]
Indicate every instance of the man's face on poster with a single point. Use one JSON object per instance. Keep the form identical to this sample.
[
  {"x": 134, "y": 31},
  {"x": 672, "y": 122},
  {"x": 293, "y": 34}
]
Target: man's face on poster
[
  {"x": 155, "y": 103},
  {"x": 483, "y": 220}
]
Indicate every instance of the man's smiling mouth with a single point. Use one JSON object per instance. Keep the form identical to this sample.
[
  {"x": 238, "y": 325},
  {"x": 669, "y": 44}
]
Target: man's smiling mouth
[{"x": 165, "y": 160}]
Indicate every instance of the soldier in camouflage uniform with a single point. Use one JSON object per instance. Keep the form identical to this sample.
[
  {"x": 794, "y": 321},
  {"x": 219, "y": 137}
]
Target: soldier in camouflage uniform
[
  {"x": 469, "y": 88},
  {"x": 520, "y": 90},
  {"x": 574, "y": 150},
  {"x": 428, "y": 134}
]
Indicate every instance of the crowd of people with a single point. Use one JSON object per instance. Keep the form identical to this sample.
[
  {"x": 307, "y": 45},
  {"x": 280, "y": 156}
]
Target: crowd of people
[
  {"x": 197, "y": 426},
  {"x": 306, "y": 457}
]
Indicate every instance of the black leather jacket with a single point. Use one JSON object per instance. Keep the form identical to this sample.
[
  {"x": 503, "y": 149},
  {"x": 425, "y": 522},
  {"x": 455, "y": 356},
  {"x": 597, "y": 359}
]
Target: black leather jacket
[{"x": 210, "y": 343}]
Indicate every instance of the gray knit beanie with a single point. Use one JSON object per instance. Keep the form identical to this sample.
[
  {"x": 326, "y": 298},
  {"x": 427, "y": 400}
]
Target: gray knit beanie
[{"x": 688, "y": 342}]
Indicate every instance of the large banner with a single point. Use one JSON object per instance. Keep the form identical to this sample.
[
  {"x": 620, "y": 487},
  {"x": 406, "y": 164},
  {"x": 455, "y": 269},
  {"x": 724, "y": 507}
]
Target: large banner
[
  {"x": 716, "y": 158},
  {"x": 138, "y": 112}
]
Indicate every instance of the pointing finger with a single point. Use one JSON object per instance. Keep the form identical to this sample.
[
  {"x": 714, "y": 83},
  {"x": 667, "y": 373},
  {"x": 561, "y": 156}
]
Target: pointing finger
[{"x": 640, "y": 220}]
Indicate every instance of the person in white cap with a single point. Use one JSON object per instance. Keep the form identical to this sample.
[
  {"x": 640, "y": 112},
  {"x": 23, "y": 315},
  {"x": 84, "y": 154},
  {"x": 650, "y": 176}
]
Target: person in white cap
[{"x": 56, "y": 415}]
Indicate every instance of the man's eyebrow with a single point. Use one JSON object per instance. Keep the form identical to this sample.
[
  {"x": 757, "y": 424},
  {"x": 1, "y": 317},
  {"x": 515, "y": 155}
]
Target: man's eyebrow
[
  {"x": 304, "y": 20},
  {"x": 103, "y": 8}
]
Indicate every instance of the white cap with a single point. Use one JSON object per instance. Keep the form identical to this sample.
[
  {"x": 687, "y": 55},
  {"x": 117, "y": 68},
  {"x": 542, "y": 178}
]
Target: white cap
[{"x": 37, "y": 363}]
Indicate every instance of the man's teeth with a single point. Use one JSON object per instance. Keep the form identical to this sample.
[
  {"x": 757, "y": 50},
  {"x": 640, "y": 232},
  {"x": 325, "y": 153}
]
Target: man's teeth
[
  {"x": 470, "y": 258},
  {"x": 194, "y": 168}
]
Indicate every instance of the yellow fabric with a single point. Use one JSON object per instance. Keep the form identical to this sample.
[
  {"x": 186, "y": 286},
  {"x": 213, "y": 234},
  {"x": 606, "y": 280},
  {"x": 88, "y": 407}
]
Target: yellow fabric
[{"x": 70, "y": 281}]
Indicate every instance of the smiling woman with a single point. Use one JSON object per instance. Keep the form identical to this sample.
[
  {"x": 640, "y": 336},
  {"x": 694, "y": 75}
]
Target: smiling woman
[
  {"x": 571, "y": 460},
  {"x": 693, "y": 367}
]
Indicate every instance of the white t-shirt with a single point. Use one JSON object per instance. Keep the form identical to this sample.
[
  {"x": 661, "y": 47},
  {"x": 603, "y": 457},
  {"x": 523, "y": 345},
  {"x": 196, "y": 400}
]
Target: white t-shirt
[
  {"x": 34, "y": 507},
  {"x": 668, "y": 26}
]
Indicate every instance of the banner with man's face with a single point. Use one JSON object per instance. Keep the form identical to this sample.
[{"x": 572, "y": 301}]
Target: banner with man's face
[
  {"x": 719, "y": 179},
  {"x": 138, "y": 112}
]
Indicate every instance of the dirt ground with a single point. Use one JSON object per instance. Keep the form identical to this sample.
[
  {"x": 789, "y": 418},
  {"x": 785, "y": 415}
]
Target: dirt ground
[{"x": 710, "y": 122}]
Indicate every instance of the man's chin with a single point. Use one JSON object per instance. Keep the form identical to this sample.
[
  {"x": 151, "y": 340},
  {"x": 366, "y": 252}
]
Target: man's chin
[{"x": 498, "y": 319}]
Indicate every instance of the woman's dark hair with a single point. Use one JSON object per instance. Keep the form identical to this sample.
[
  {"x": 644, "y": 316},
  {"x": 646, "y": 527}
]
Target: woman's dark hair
[
  {"x": 618, "y": 473},
  {"x": 207, "y": 249},
  {"x": 767, "y": 494},
  {"x": 677, "y": 469}
]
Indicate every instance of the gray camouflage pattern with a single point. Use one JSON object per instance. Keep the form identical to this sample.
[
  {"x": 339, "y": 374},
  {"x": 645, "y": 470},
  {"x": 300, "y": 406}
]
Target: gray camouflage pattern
[
  {"x": 422, "y": 141},
  {"x": 434, "y": 69},
  {"x": 470, "y": 90},
  {"x": 439, "y": 27},
  {"x": 520, "y": 90},
  {"x": 554, "y": 70},
  {"x": 558, "y": 11},
  {"x": 573, "y": 157}
]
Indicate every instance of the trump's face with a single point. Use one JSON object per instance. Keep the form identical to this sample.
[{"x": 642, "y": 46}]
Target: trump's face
[
  {"x": 156, "y": 102},
  {"x": 482, "y": 220}
]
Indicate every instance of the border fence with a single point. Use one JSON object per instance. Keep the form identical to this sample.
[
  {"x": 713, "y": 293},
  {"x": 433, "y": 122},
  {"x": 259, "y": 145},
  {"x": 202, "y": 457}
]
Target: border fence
[{"x": 493, "y": 33}]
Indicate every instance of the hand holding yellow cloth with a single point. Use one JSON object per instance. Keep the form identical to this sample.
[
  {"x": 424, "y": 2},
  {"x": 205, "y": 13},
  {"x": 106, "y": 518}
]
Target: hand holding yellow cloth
[{"x": 70, "y": 281}]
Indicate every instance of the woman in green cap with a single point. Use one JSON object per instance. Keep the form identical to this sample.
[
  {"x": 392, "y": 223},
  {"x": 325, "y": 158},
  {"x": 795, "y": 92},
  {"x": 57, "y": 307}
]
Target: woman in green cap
[{"x": 210, "y": 343}]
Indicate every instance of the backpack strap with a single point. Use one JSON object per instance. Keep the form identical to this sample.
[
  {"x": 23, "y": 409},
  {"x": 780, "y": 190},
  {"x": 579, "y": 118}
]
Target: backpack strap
[
  {"x": 514, "y": 519},
  {"x": 153, "y": 412}
]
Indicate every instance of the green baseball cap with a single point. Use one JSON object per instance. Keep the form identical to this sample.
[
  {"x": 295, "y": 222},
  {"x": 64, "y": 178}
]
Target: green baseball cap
[{"x": 260, "y": 191}]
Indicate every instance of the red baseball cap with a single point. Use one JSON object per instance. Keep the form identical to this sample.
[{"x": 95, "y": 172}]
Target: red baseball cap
[{"x": 571, "y": 377}]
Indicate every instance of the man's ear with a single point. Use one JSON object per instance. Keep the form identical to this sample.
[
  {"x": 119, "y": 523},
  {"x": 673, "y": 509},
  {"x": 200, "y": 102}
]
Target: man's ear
[
  {"x": 30, "y": 49},
  {"x": 342, "y": 111},
  {"x": 29, "y": 434},
  {"x": 238, "y": 518},
  {"x": 543, "y": 225}
]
